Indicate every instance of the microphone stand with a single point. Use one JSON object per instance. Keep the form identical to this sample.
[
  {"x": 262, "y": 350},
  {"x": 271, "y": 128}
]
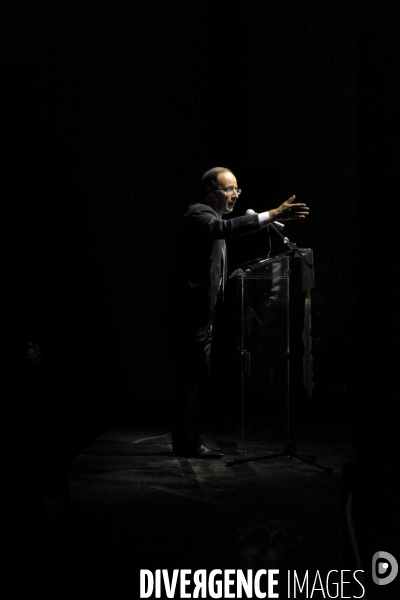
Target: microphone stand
[
  {"x": 290, "y": 449},
  {"x": 291, "y": 245}
]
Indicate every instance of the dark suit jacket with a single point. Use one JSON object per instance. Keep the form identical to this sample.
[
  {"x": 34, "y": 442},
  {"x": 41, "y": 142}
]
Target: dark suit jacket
[{"x": 198, "y": 260}]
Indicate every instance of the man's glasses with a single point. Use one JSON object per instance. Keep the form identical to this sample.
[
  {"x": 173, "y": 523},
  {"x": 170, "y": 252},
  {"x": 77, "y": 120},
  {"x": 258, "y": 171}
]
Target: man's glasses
[{"x": 230, "y": 190}]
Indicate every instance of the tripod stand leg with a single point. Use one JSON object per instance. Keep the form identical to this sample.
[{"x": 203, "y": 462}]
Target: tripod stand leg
[
  {"x": 230, "y": 463},
  {"x": 289, "y": 451},
  {"x": 327, "y": 470}
]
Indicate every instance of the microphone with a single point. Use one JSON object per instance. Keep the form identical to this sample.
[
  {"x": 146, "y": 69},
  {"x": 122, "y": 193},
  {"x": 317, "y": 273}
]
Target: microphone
[{"x": 277, "y": 224}]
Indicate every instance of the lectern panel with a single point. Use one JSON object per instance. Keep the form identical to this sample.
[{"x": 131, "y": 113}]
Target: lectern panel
[
  {"x": 266, "y": 299},
  {"x": 264, "y": 339}
]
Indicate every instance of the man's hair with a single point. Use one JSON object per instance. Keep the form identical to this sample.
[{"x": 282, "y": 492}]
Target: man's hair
[{"x": 210, "y": 178}]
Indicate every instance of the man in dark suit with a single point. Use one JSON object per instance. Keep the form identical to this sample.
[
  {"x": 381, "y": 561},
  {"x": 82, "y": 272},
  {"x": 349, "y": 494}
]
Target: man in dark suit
[{"x": 198, "y": 282}]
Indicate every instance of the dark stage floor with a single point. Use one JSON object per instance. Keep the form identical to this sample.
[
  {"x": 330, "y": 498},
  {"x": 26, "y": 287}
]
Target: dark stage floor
[{"x": 134, "y": 505}]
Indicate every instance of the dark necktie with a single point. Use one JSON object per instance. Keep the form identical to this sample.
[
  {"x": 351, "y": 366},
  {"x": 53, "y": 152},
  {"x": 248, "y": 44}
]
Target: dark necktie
[{"x": 223, "y": 264}]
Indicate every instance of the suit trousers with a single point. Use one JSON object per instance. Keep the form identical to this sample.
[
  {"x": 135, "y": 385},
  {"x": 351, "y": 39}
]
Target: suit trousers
[{"x": 191, "y": 375}]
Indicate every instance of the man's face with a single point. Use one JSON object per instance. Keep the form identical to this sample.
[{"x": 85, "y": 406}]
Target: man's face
[{"x": 223, "y": 199}]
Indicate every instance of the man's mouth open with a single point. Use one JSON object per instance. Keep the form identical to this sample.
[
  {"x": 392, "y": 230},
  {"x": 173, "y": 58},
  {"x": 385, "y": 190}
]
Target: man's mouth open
[{"x": 231, "y": 204}]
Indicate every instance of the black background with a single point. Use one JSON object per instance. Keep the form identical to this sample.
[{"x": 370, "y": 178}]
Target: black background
[
  {"x": 111, "y": 112},
  {"x": 114, "y": 109}
]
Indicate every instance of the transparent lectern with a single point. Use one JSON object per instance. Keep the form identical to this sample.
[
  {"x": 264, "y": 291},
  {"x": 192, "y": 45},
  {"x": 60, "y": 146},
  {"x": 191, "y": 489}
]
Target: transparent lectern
[{"x": 274, "y": 320}]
